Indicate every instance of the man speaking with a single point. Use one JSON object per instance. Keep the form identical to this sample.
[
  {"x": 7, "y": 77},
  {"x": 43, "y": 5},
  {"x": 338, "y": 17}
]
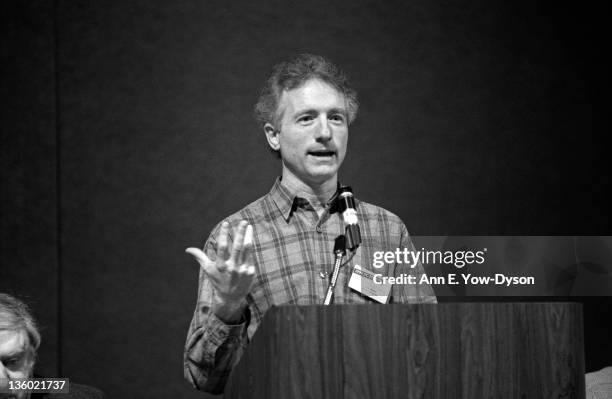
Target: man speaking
[{"x": 280, "y": 249}]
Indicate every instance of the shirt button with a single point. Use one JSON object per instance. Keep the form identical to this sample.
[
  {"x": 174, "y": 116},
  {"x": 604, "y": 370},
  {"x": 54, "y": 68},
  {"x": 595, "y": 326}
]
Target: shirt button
[
  {"x": 319, "y": 229},
  {"x": 323, "y": 275}
]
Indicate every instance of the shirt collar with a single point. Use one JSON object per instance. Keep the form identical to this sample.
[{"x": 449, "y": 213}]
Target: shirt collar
[{"x": 283, "y": 198}]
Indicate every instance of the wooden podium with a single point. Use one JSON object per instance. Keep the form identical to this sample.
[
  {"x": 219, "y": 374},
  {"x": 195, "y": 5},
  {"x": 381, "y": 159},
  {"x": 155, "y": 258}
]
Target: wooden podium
[{"x": 460, "y": 350}]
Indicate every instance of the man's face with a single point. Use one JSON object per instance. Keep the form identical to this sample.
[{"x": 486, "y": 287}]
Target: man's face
[
  {"x": 313, "y": 131},
  {"x": 15, "y": 359}
]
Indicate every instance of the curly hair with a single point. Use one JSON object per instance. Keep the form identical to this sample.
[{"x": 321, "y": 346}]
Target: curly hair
[{"x": 293, "y": 74}]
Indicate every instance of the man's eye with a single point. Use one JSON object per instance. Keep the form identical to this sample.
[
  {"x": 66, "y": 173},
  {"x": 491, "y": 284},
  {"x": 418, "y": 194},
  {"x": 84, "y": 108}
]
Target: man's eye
[
  {"x": 305, "y": 119},
  {"x": 337, "y": 118},
  {"x": 11, "y": 362}
]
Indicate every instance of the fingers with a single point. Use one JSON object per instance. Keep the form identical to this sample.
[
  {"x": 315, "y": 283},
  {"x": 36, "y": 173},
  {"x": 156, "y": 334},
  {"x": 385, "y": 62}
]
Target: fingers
[
  {"x": 202, "y": 259},
  {"x": 248, "y": 236},
  {"x": 249, "y": 258},
  {"x": 234, "y": 258},
  {"x": 247, "y": 247},
  {"x": 223, "y": 246},
  {"x": 247, "y": 268},
  {"x": 238, "y": 243}
]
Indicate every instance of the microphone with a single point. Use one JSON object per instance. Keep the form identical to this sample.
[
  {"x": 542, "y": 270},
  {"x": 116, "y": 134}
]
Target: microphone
[
  {"x": 339, "y": 252},
  {"x": 344, "y": 202}
]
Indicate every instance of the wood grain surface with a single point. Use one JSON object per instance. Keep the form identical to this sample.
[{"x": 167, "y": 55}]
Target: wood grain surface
[{"x": 468, "y": 350}]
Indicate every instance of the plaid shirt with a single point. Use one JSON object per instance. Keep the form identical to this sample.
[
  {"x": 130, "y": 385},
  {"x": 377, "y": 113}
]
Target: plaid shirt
[{"x": 293, "y": 252}]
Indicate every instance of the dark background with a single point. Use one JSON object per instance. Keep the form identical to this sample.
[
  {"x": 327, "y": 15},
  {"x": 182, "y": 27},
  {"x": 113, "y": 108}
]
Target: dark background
[{"x": 127, "y": 133}]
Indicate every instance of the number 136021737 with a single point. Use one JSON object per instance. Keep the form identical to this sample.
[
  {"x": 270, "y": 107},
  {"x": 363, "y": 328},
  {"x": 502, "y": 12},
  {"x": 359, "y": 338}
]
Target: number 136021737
[{"x": 38, "y": 385}]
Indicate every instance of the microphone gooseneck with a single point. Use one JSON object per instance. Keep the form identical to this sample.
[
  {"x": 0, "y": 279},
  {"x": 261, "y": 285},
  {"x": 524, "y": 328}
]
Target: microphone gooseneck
[
  {"x": 344, "y": 203},
  {"x": 339, "y": 252}
]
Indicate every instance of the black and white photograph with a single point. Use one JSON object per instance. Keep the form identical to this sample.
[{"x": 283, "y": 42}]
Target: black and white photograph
[{"x": 313, "y": 199}]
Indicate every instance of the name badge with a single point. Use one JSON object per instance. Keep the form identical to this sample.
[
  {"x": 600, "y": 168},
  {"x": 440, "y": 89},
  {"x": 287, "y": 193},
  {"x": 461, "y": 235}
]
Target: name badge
[{"x": 362, "y": 281}]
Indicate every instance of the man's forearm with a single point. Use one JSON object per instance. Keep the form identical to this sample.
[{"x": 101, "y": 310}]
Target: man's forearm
[{"x": 213, "y": 348}]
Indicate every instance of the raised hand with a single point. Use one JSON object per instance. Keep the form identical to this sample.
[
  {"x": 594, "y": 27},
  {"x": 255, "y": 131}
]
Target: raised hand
[{"x": 232, "y": 273}]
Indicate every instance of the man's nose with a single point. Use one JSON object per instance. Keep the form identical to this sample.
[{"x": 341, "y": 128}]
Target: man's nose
[{"x": 324, "y": 132}]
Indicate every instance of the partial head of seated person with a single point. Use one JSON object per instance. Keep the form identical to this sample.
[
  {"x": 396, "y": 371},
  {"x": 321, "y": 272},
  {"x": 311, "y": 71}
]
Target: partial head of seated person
[
  {"x": 19, "y": 342},
  {"x": 279, "y": 249}
]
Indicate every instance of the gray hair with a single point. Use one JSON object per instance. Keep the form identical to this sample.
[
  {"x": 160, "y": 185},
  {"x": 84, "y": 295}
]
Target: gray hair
[
  {"x": 15, "y": 316},
  {"x": 293, "y": 74}
]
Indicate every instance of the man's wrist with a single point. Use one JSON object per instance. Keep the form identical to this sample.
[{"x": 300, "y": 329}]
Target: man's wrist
[{"x": 229, "y": 311}]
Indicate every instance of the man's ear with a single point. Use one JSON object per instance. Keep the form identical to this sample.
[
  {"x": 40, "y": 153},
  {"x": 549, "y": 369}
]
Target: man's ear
[{"x": 272, "y": 136}]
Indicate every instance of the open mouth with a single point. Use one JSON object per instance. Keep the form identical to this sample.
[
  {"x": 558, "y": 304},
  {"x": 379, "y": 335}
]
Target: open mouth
[{"x": 322, "y": 154}]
